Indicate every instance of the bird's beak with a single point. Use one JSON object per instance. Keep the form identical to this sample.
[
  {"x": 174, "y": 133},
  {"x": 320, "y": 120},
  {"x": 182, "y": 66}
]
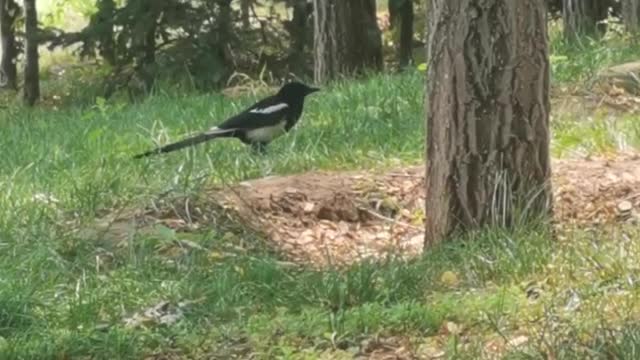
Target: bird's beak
[{"x": 312, "y": 90}]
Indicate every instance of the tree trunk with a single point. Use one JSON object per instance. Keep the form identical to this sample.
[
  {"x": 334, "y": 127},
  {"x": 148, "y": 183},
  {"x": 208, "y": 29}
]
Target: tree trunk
[
  {"x": 631, "y": 15},
  {"x": 406, "y": 33},
  {"x": 8, "y": 68},
  {"x": 245, "y": 13},
  {"x": 104, "y": 17},
  {"x": 401, "y": 12},
  {"x": 581, "y": 17},
  {"x": 225, "y": 31},
  {"x": 31, "y": 68},
  {"x": 225, "y": 20},
  {"x": 298, "y": 30},
  {"x": 144, "y": 41},
  {"x": 487, "y": 114},
  {"x": 346, "y": 37}
]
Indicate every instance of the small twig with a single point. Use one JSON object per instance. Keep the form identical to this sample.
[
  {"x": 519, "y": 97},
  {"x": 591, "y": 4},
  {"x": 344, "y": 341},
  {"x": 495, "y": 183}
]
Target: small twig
[
  {"x": 188, "y": 211},
  {"x": 388, "y": 219},
  {"x": 632, "y": 197},
  {"x": 406, "y": 175}
]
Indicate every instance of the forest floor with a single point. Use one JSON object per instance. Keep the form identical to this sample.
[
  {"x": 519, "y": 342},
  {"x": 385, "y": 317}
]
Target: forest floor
[
  {"x": 312, "y": 251},
  {"x": 519, "y": 294},
  {"x": 335, "y": 219}
]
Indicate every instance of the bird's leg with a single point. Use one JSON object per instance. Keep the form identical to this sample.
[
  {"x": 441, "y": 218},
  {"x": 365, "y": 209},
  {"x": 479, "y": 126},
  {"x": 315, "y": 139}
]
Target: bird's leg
[{"x": 259, "y": 148}]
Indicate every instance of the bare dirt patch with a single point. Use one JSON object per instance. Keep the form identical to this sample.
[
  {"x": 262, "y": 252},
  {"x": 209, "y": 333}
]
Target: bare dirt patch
[
  {"x": 330, "y": 218},
  {"x": 336, "y": 218},
  {"x": 597, "y": 191}
]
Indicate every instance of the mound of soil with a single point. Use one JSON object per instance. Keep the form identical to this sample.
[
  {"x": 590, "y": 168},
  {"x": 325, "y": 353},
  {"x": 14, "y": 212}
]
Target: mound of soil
[
  {"x": 325, "y": 218},
  {"x": 338, "y": 218},
  {"x": 597, "y": 191}
]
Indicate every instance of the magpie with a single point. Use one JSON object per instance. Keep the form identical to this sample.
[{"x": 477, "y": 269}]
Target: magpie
[{"x": 257, "y": 125}]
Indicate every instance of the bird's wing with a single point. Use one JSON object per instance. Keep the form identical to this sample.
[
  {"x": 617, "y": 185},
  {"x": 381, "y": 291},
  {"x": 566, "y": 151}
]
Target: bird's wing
[{"x": 268, "y": 112}]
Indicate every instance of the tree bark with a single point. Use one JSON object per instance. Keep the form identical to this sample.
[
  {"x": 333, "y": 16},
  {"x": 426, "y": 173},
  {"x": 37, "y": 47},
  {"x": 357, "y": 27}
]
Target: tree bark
[
  {"x": 225, "y": 20},
  {"x": 346, "y": 37},
  {"x": 104, "y": 17},
  {"x": 32, "y": 67},
  {"x": 631, "y": 15},
  {"x": 245, "y": 13},
  {"x": 487, "y": 114},
  {"x": 581, "y": 17},
  {"x": 401, "y": 13},
  {"x": 298, "y": 29},
  {"x": 8, "y": 69},
  {"x": 144, "y": 42}
]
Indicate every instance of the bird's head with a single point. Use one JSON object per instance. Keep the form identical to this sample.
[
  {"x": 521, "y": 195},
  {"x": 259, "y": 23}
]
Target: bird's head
[{"x": 296, "y": 90}]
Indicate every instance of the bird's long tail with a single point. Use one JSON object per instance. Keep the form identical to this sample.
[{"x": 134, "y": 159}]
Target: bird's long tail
[{"x": 194, "y": 140}]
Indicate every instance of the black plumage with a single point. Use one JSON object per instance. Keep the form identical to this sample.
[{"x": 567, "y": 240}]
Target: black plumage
[{"x": 257, "y": 125}]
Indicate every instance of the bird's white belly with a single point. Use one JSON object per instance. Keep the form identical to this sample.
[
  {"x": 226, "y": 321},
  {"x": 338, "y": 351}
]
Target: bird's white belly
[{"x": 266, "y": 134}]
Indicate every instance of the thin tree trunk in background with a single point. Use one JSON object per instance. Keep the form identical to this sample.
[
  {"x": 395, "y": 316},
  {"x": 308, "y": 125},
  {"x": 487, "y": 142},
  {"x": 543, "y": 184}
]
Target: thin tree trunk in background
[
  {"x": 144, "y": 42},
  {"x": 31, "y": 69},
  {"x": 107, "y": 48},
  {"x": 631, "y": 15},
  {"x": 8, "y": 68},
  {"x": 225, "y": 30},
  {"x": 401, "y": 13},
  {"x": 406, "y": 33},
  {"x": 582, "y": 17},
  {"x": 225, "y": 20},
  {"x": 245, "y": 13},
  {"x": 366, "y": 39},
  {"x": 347, "y": 39},
  {"x": 329, "y": 44},
  {"x": 487, "y": 114},
  {"x": 298, "y": 30}
]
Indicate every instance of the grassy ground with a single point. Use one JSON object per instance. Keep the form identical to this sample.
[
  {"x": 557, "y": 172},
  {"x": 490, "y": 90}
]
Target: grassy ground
[{"x": 66, "y": 295}]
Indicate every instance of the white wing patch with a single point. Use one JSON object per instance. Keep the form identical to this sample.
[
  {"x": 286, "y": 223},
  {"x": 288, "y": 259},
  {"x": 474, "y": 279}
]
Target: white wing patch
[
  {"x": 270, "y": 109},
  {"x": 217, "y": 131}
]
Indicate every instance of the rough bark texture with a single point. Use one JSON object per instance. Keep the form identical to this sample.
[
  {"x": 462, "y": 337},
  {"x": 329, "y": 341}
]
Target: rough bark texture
[
  {"x": 631, "y": 15},
  {"x": 487, "y": 114},
  {"x": 401, "y": 16},
  {"x": 8, "y": 68},
  {"x": 581, "y": 17},
  {"x": 31, "y": 68},
  {"x": 346, "y": 37}
]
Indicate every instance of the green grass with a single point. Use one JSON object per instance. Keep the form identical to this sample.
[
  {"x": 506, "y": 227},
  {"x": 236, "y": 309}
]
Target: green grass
[
  {"x": 601, "y": 133},
  {"x": 82, "y": 156},
  {"x": 64, "y": 293},
  {"x": 251, "y": 297},
  {"x": 579, "y": 63}
]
